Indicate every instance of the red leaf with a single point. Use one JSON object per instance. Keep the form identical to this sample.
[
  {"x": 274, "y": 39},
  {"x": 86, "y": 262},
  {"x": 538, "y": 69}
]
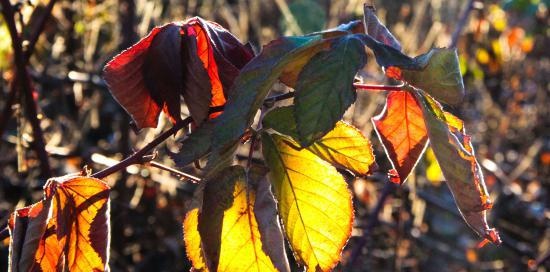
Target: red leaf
[
  {"x": 402, "y": 132},
  {"x": 196, "y": 59}
]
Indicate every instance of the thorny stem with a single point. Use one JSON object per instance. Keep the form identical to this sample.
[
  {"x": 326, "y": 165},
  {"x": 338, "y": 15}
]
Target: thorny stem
[
  {"x": 22, "y": 77},
  {"x": 137, "y": 157}
]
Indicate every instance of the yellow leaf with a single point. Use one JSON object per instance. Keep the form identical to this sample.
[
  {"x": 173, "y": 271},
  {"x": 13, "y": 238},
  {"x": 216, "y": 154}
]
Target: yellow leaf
[
  {"x": 191, "y": 236},
  {"x": 345, "y": 146},
  {"x": 314, "y": 202},
  {"x": 227, "y": 224}
]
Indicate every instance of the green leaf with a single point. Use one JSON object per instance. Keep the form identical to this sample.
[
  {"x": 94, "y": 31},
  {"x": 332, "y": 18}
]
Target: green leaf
[
  {"x": 228, "y": 225},
  {"x": 440, "y": 75},
  {"x": 195, "y": 146},
  {"x": 314, "y": 202},
  {"x": 455, "y": 154},
  {"x": 325, "y": 87},
  {"x": 344, "y": 146},
  {"x": 254, "y": 83}
]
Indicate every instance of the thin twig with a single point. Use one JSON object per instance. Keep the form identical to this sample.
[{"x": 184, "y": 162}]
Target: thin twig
[
  {"x": 174, "y": 171},
  {"x": 4, "y": 233},
  {"x": 23, "y": 78},
  {"x": 40, "y": 27},
  {"x": 461, "y": 23},
  {"x": 137, "y": 157}
]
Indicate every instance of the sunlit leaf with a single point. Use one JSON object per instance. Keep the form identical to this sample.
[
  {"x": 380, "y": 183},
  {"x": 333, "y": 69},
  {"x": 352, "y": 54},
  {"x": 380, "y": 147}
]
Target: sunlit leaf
[
  {"x": 402, "y": 131},
  {"x": 228, "y": 227},
  {"x": 314, "y": 202},
  {"x": 325, "y": 88},
  {"x": 454, "y": 152},
  {"x": 191, "y": 236},
  {"x": 196, "y": 59},
  {"x": 343, "y": 147},
  {"x": 440, "y": 75},
  {"x": 68, "y": 230}
]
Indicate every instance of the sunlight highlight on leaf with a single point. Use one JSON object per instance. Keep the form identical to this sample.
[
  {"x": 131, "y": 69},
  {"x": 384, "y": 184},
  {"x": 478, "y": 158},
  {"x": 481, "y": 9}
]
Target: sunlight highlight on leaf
[
  {"x": 401, "y": 129},
  {"x": 344, "y": 146},
  {"x": 228, "y": 227},
  {"x": 314, "y": 202},
  {"x": 75, "y": 237}
]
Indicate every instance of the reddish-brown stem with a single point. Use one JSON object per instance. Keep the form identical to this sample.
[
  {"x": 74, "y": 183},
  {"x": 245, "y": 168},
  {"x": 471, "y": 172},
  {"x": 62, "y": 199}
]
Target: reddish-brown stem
[
  {"x": 22, "y": 77},
  {"x": 40, "y": 27},
  {"x": 137, "y": 157},
  {"x": 368, "y": 87}
]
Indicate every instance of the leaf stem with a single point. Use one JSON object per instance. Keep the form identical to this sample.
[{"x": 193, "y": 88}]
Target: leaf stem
[
  {"x": 137, "y": 157},
  {"x": 4, "y": 233},
  {"x": 368, "y": 87}
]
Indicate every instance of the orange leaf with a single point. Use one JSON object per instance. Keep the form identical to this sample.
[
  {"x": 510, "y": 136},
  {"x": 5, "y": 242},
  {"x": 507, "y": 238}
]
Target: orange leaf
[
  {"x": 67, "y": 230},
  {"x": 402, "y": 131}
]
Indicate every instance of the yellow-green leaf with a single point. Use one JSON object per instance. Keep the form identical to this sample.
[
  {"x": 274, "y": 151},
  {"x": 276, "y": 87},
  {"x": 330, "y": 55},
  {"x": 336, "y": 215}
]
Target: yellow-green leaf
[
  {"x": 191, "y": 236},
  {"x": 314, "y": 202},
  {"x": 344, "y": 146},
  {"x": 227, "y": 224}
]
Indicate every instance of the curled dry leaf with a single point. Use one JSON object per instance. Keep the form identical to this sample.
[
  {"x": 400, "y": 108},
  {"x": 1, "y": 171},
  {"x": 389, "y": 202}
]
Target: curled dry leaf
[
  {"x": 401, "y": 129},
  {"x": 196, "y": 59},
  {"x": 454, "y": 152},
  {"x": 67, "y": 230}
]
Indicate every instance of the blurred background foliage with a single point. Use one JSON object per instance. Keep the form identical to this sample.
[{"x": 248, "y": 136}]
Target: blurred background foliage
[{"x": 503, "y": 51}]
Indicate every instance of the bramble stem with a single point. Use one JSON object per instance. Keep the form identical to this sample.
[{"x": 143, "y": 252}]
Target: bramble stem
[
  {"x": 368, "y": 87},
  {"x": 137, "y": 157}
]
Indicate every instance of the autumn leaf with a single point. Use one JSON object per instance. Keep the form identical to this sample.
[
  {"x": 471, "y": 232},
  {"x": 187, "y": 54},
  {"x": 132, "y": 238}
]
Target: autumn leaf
[
  {"x": 455, "y": 154},
  {"x": 196, "y": 59},
  {"x": 228, "y": 225},
  {"x": 344, "y": 146},
  {"x": 191, "y": 236},
  {"x": 314, "y": 202},
  {"x": 401, "y": 129},
  {"x": 439, "y": 75},
  {"x": 325, "y": 88},
  {"x": 67, "y": 230}
]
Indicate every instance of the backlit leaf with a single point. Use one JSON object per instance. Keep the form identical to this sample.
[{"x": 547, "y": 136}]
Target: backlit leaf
[
  {"x": 314, "y": 202},
  {"x": 343, "y": 147},
  {"x": 67, "y": 230},
  {"x": 196, "y": 59},
  {"x": 439, "y": 77},
  {"x": 228, "y": 227},
  {"x": 325, "y": 88},
  {"x": 191, "y": 236},
  {"x": 402, "y": 131},
  {"x": 454, "y": 152}
]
